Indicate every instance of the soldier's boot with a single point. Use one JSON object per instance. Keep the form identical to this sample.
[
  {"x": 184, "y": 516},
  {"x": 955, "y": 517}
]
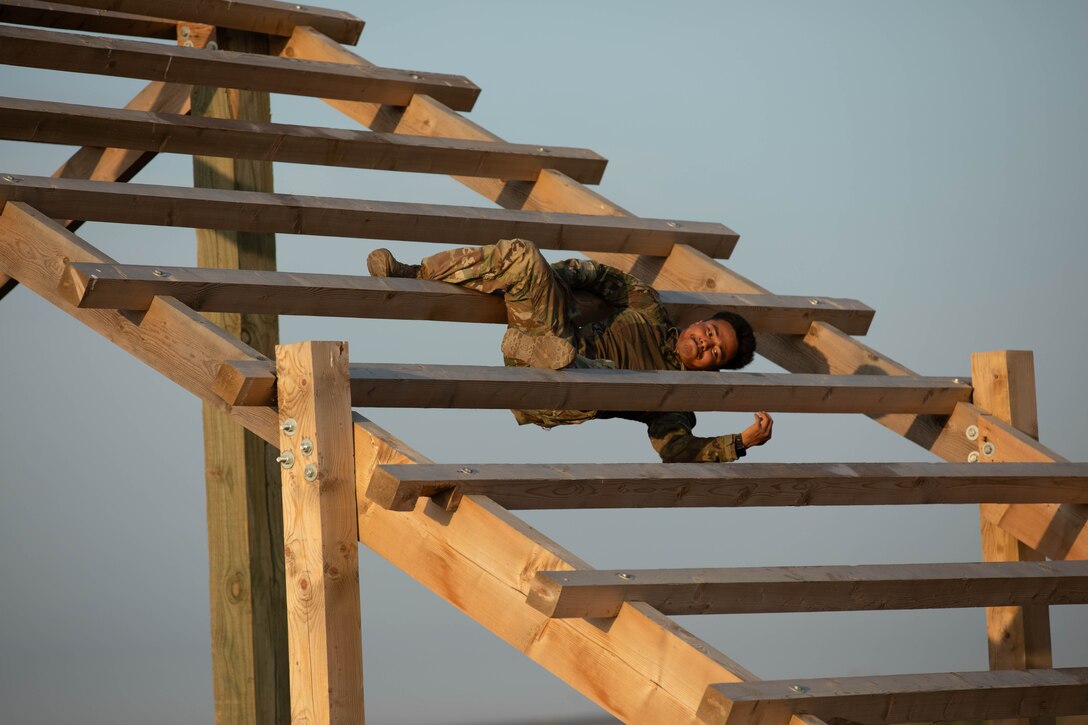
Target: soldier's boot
[
  {"x": 538, "y": 351},
  {"x": 381, "y": 263}
]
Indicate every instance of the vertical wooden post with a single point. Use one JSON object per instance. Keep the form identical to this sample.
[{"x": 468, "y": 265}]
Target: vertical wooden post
[
  {"x": 1019, "y": 637},
  {"x": 321, "y": 532},
  {"x": 245, "y": 521}
]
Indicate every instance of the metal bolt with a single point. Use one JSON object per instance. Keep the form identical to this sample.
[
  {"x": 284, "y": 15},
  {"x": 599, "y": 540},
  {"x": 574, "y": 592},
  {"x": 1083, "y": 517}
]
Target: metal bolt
[
  {"x": 289, "y": 426},
  {"x": 799, "y": 688},
  {"x": 543, "y": 150},
  {"x": 307, "y": 446},
  {"x": 972, "y": 457},
  {"x": 188, "y": 44},
  {"x": 160, "y": 273},
  {"x": 988, "y": 448},
  {"x": 466, "y": 471},
  {"x": 310, "y": 472},
  {"x": 9, "y": 177},
  {"x": 625, "y": 575},
  {"x": 972, "y": 432},
  {"x": 212, "y": 45},
  {"x": 185, "y": 31},
  {"x": 674, "y": 225},
  {"x": 415, "y": 76},
  {"x": 286, "y": 459},
  {"x": 957, "y": 381},
  {"x": 814, "y": 301}
]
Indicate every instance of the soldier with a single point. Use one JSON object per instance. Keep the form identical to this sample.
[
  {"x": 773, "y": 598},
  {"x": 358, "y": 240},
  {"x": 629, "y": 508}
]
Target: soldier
[{"x": 544, "y": 332}]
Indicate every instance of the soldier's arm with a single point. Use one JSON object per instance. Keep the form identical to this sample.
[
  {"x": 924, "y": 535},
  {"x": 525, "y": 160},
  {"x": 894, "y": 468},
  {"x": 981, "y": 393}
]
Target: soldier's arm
[{"x": 617, "y": 288}]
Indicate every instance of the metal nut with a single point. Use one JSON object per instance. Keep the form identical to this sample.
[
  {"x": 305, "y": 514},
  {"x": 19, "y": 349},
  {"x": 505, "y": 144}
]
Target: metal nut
[
  {"x": 972, "y": 432},
  {"x": 972, "y": 457},
  {"x": 307, "y": 446},
  {"x": 988, "y": 448},
  {"x": 799, "y": 688},
  {"x": 814, "y": 301},
  {"x": 185, "y": 32},
  {"x": 289, "y": 426},
  {"x": 466, "y": 471},
  {"x": 625, "y": 575},
  {"x": 310, "y": 472},
  {"x": 212, "y": 45},
  {"x": 286, "y": 459},
  {"x": 160, "y": 273}
]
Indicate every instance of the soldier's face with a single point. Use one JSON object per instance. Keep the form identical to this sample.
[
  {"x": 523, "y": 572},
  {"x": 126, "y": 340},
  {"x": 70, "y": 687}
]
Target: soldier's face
[{"x": 706, "y": 344}]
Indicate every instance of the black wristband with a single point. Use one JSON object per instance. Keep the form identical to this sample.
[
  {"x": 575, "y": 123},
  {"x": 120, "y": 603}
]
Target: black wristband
[{"x": 738, "y": 446}]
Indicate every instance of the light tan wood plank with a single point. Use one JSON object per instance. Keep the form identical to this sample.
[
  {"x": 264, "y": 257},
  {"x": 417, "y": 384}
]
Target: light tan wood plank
[
  {"x": 65, "y": 123},
  {"x": 64, "y": 16},
  {"x": 1018, "y": 637},
  {"x": 320, "y": 533},
  {"x": 668, "y": 485},
  {"x": 170, "y": 337},
  {"x": 901, "y": 698},
  {"x": 288, "y": 213},
  {"x": 643, "y": 667},
  {"x": 226, "y": 69},
  {"x": 133, "y": 287},
  {"x": 258, "y": 16},
  {"x": 810, "y": 588}
]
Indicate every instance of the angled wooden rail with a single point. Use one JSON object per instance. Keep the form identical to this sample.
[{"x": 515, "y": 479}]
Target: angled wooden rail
[
  {"x": 472, "y": 386},
  {"x": 226, "y": 69},
  {"x": 68, "y": 16},
  {"x": 66, "y": 123},
  {"x": 287, "y": 293},
  {"x": 258, "y": 16},
  {"x": 673, "y": 485},
  {"x": 751, "y": 590},
  {"x": 901, "y": 698},
  {"x": 287, "y": 213}
]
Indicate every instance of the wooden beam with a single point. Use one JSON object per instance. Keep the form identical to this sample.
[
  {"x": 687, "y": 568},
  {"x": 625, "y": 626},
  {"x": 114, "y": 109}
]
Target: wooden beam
[
  {"x": 320, "y": 533},
  {"x": 170, "y": 337},
  {"x": 66, "y": 123},
  {"x": 669, "y": 485},
  {"x": 470, "y": 386},
  {"x": 1018, "y": 637},
  {"x": 900, "y": 698},
  {"x": 287, "y": 293},
  {"x": 259, "y": 16},
  {"x": 642, "y": 667},
  {"x": 288, "y": 213},
  {"x": 157, "y": 62},
  {"x": 63, "y": 16},
  {"x": 250, "y": 659},
  {"x": 752, "y": 590}
]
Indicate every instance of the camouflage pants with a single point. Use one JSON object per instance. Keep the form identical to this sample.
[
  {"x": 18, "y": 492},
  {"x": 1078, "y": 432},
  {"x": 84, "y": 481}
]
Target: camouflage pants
[{"x": 538, "y": 310}]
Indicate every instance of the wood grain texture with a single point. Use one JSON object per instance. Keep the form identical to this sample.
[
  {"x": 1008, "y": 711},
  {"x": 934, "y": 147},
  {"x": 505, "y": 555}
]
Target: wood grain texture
[
  {"x": 642, "y": 667},
  {"x": 810, "y": 588},
  {"x": 320, "y": 534},
  {"x": 901, "y": 698},
  {"x": 68, "y": 16},
  {"x": 288, "y": 213},
  {"x": 133, "y": 287},
  {"x": 669, "y": 485},
  {"x": 77, "y": 53},
  {"x": 259, "y": 16},
  {"x": 65, "y": 123}
]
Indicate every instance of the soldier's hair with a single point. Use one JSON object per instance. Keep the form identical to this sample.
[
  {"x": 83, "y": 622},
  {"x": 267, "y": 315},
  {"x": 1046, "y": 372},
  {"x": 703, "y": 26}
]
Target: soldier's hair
[{"x": 746, "y": 340}]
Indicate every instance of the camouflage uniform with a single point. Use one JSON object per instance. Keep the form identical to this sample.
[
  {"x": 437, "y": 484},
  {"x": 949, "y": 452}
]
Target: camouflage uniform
[{"x": 540, "y": 304}]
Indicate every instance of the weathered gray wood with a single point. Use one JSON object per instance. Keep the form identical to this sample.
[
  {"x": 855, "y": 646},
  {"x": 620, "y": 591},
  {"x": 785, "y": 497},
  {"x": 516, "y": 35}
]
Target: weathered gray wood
[
  {"x": 66, "y": 123},
  {"x": 287, "y": 213},
  {"x": 258, "y": 16},
  {"x": 669, "y": 485},
  {"x": 601, "y": 593},
  {"x": 900, "y": 698},
  {"x": 285, "y": 293},
  {"x": 226, "y": 69}
]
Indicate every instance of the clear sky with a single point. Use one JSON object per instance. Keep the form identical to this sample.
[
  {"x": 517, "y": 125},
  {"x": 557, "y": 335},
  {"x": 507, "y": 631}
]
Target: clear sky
[{"x": 928, "y": 158}]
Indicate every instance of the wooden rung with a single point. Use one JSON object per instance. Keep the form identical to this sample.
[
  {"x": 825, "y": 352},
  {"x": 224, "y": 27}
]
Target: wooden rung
[
  {"x": 70, "y": 17},
  {"x": 470, "y": 386},
  {"x": 900, "y": 698},
  {"x": 290, "y": 214},
  {"x": 160, "y": 62},
  {"x": 601, "y": 593},
  {"x": 286, "y": 293},
  {"x": 258, "y": 16},
  {"x": 64, "y": 123},
  {"x": 669, "y": 485}
]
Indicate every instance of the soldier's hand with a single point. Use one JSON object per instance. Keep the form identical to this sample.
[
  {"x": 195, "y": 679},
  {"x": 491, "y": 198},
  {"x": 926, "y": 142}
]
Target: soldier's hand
[{"x": 759, "y": 432}]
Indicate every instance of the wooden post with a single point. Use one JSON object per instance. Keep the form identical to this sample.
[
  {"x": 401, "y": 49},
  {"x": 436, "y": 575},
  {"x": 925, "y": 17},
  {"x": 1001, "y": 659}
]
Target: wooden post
[
  {"x": 245, "y": 534},
  {"x": 1019, "y": 637},
  {"x": 321, "y": 533}
]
